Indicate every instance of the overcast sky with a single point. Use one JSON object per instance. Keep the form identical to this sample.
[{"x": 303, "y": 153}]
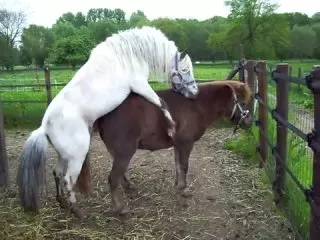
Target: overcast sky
[{"x": 46, "y": 12}]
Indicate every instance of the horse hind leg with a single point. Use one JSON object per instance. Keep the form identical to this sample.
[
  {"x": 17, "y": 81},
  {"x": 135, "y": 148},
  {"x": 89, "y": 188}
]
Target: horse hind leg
[
  {"x": 127, "y": 184},
  {"x": 117, "y": 177},
  {"x": 58, "y": 174},
  {"x": 70, "y": 179},
  {"x": 73, "y": 149},
  {"x": 182, "y": 154},
  {"x": 144, "y": 89}
]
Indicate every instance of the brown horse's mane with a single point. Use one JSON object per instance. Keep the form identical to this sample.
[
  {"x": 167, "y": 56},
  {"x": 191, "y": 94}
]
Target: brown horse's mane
[{"x": 242, "y": 89}]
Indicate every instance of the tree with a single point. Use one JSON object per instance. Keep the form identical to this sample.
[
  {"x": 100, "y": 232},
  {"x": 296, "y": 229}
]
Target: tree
[
  {"x": 138, "y": 19},
  {"x": 277, "y": 42},
  {"x": 297, "y": 18},
  {"x": 303, "y": 40},
  {"x": 11, "y": 26},
  {"x": 102, "y": 29},
  {"x": 249, "y": 17},
  {"x": 173, "y": 30},
  {"x": 224, "y": 43},
  {"x": 77, "y": 20},
  {"x": 316, "y": 17},
  {"x": 316, "y": 29},
  {"x": 36, "y": 43},
  {"x": 74, "y": 49},
  {"x": 63, "y": 29},
  {"x": 8, "y": 54}
]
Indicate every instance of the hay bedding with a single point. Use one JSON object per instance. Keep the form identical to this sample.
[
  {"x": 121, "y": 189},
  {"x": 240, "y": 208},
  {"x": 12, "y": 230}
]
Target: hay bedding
[{"x": 229, "y": 200}]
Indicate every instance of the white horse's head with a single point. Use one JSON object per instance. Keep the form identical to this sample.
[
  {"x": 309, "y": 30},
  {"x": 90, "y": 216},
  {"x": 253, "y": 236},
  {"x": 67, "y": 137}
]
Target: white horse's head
[{"x": 182, "y": 78}]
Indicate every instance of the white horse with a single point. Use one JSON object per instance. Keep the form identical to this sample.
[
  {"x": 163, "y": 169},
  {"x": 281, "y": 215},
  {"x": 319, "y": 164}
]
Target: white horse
[{"x": 120, "y": 64}]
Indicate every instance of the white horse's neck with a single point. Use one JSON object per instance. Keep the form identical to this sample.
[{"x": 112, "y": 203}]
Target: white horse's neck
[{"x": 141, "y": 49}]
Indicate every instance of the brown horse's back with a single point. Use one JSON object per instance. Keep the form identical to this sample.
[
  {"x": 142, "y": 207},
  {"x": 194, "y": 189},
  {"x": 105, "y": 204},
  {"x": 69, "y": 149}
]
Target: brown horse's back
[
  {"x": 140, "y": 124},
  {"x": 136, "y": 122}
]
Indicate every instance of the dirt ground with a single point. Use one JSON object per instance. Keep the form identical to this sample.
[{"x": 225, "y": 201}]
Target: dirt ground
[{"x": 229, "y": 201}]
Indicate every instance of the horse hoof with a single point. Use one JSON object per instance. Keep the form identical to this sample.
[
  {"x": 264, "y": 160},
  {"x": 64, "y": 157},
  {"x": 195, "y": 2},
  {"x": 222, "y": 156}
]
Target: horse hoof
[
  {"x": 77, "y": 212},
  {"x": 63, "y": 203},
  {"x": 186, "y": 193},
  {"x": 130, "y": 188},
  {"x": 120, "y": 212},
  {"x": 171, "y": 132},
  {"x": 124, "y": 211}
]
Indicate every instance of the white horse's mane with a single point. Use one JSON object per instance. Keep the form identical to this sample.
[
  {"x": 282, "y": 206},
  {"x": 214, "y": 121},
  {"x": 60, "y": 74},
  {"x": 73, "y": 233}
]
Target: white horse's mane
[{"x": 146, "y": 49}]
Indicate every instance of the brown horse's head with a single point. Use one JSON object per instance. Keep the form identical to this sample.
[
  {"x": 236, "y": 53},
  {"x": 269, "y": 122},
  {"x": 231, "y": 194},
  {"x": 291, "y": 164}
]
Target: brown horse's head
[
  {"x": 236, "y": 97},
  {"x": 241, "y": 99}
]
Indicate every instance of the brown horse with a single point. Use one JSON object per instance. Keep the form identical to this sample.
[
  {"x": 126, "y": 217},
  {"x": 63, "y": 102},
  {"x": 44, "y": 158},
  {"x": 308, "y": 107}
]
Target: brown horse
[{"x": 137, "y": 124}]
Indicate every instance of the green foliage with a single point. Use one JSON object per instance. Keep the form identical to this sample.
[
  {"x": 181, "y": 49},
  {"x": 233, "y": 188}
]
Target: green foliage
[
  {"x": 36, "y": 43},
  {"x": 173, "y": 30},
  {"x": 250, "y": 19},
  {"x": 138, "y": 19},
  {"x": 303, "y": 40},
  {"x": 73, "y": 50},
  {"x": 100, "y": 30},
  {"x": 316, "y": 29}
]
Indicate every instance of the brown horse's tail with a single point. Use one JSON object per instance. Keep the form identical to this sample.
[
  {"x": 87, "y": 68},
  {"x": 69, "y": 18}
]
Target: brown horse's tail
[{"x": 83, "y": 184}]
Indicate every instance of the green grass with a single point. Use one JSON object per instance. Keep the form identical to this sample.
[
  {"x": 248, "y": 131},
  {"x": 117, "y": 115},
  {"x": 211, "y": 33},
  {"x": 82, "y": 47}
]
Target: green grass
[{"x": 299, "y": 161}]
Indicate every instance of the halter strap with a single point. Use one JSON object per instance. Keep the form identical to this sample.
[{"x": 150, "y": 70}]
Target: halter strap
[
  {"x": 176, "y": 61},
  {"x": 244, "y": 113}
]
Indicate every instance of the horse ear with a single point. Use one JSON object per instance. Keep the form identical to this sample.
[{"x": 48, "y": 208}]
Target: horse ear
[{"x": 183, "y": 54}]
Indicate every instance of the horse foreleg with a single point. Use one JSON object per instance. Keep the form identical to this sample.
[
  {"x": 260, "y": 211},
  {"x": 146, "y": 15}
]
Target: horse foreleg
[
  {"x": 144, "y": 89},
  {"x": 127, "y": 184},
  {"x": 182, "y": 154},
  {"x": 116, "y": 177}
]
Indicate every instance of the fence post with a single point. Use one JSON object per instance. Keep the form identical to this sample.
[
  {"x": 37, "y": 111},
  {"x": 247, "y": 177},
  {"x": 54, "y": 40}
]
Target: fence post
[
  {"x": 290, "y": 75},
  {"x": 4, "y": 169},
  {"x": 241, "y": 75},
  {"x": 263, "y": 111},
  {"x": 299, "y": 76},
  {"x": 282, "y": 131},
  {"x": 48, "y": 84},
  {"x": 251, "y": 82},
  {"x": 314, "y": 85}
]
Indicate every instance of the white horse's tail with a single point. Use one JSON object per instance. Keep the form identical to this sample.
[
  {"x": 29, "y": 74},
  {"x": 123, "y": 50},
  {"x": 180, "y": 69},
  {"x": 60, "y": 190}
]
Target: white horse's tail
[{"x": 31, "y": 172}]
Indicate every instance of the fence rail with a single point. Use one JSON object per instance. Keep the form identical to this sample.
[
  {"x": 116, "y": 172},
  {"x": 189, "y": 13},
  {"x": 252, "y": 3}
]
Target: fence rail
[{"x": 283, "y": 81}]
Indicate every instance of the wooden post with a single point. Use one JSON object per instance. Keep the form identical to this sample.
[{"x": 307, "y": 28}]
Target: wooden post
[
  {"x": 299, "y": 76},
  {"x": 48, "y": 84},
  {"x": 282, "y": 131},
  {"x": 241, "y": 57},
  {"x": 315, "y": 219},
  {"x": 4, "y": 169},
  {"x": 290, "y": 74},
  {"x": 263, "y": 112},
  {"x": 251, "y": 77},
  {"x": 241, "y": 51}
]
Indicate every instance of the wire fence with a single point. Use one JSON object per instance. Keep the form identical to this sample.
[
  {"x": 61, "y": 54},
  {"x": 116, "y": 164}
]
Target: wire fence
[{"x": 287, "y": 132}]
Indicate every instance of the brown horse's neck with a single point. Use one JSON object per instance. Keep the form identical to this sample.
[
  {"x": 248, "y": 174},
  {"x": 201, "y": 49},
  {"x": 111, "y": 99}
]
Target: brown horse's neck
[{"x": 215, "y": 104}]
